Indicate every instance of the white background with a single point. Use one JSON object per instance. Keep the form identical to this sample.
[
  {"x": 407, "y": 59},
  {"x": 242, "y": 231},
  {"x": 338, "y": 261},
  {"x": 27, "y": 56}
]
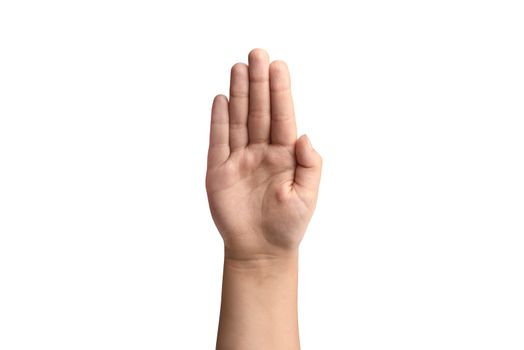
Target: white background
[{"x": 106, "y": 241}]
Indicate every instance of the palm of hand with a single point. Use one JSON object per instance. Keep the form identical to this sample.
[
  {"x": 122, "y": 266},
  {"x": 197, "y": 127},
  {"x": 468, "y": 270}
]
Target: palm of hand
[
  {"x": 262, "y": 183},
  {"x": 253, "y": 200}
]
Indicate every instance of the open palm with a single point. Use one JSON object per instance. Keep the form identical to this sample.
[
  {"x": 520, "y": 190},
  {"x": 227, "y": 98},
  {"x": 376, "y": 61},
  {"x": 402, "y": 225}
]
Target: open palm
[{"x": 262, "y": 182}]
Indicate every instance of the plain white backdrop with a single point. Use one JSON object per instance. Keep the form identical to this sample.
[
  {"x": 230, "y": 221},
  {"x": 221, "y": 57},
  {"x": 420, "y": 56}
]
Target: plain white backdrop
[{"x": 106, "y": 241}]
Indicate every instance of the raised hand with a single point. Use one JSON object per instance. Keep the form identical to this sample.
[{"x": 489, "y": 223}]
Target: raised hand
[{"x": 262, "y": 183}]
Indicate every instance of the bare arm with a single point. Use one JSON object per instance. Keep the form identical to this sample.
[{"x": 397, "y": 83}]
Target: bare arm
[{"x": 262, "y": 186}]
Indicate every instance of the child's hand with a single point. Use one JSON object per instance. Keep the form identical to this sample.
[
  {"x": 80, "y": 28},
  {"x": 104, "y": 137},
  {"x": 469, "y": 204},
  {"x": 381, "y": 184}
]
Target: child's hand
[{"x": 262, "y": 182}]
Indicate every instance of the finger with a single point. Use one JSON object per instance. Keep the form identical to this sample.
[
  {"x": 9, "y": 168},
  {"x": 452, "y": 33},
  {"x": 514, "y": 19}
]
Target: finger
[
  {"x": 259, "y": 120},
  {"x": 309, "y": 165},
  {"x": 219, "y": 133},
  {"x": 238, "y": 106},
  {"x": 283, "y": 124}
]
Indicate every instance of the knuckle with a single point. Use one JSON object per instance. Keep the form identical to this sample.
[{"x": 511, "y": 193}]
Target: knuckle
[
  {"x": 259, "y": 113},
  {"x": 281, "y": 117}
]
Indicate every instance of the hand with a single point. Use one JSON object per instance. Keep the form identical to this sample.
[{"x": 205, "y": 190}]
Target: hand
[{"x": 262, "y": 183}]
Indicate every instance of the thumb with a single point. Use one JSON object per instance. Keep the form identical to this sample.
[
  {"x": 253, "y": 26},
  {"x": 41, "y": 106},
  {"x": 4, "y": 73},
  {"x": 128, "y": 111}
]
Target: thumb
[{"x": 309, "y": 164}]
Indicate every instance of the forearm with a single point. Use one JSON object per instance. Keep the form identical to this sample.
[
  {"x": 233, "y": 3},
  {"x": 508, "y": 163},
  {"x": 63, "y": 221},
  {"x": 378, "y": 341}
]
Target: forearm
[{"x": 259, "y": 304}]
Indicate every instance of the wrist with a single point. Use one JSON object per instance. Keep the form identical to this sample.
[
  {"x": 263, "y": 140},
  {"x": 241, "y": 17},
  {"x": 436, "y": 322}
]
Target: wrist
[
  {"x": 262, "y": 264},
  {"x": 250, "y": 260}
]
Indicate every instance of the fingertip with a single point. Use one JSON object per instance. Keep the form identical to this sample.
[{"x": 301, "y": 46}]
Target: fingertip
[
  {"x": 308, "y": 141},
  {"x": 258, "y": 66},
  {"x": 305, "y": 141},
  {"x": 239, "y": 68},
  {"x": 278, "y": 66},
  {"x": 220, "y": 97},
  {"x": 239, "y": 84},
  {"x": 220, "y": 101},
  {"x": 219, "y": 108},
  {"x": 279, "y": 76},
  {"x": 306, "y": 155},
  {"x": 258, "y": 54}
]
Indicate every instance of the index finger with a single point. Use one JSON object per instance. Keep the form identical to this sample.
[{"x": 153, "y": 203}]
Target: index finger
[{"x": 283, "y": 123}]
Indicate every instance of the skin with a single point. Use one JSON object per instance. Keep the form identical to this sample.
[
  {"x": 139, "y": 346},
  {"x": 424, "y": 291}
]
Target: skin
[{"x": 262, "y": 185}]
